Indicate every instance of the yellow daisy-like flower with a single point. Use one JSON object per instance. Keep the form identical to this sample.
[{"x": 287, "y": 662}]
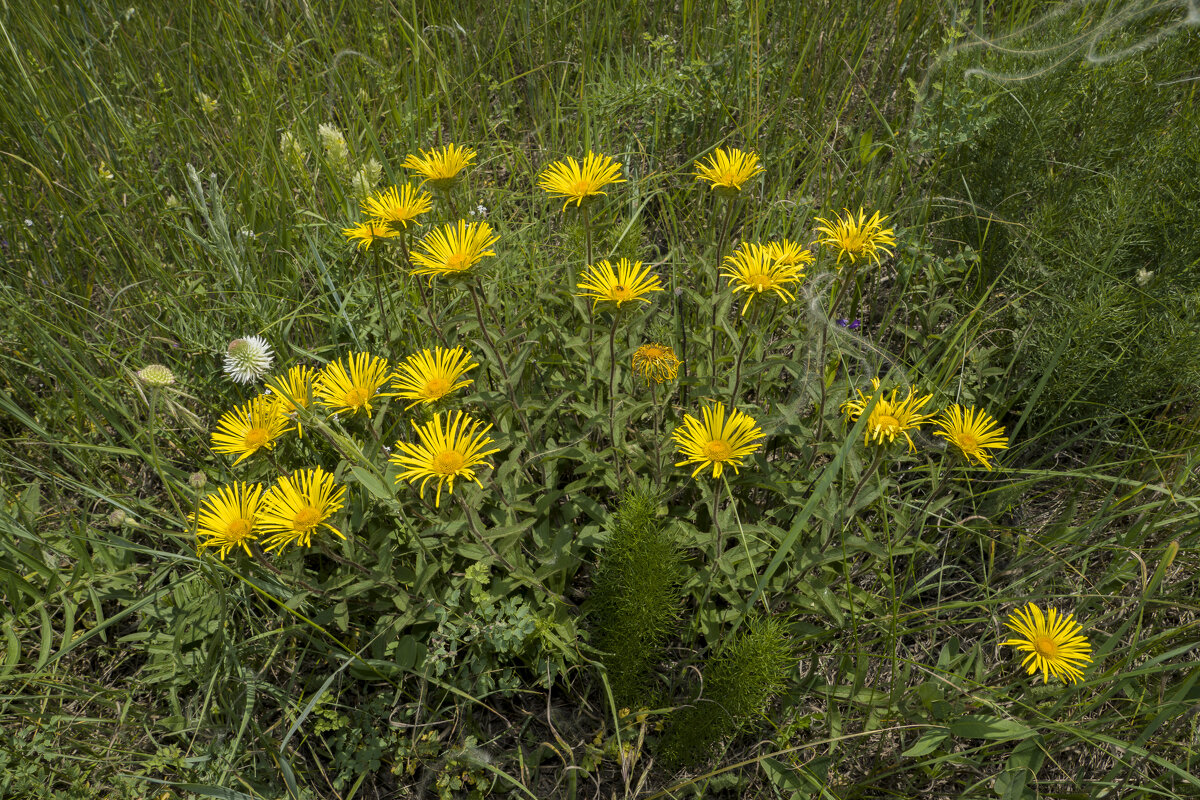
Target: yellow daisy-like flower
[
  {"x": 789, "y": 253},
  {"x": 244, "y": 430},
  {"x": 445, "y": 453},
  {"x": 430, "y": 375},
  {"x": 580, "y": 183},
  {"x": 454, "y": 249},
  {"x": 728, "y": 170},
  {"x": 395, "y": 208},
  {"x": 294, "y": 390},
  {"x": 352, "y": 389},
  {"x": 1054, "y": 643},
  {"x": 442, "y": 167},
  {"x": 717, "y": 442},
  {"x": 623, "y": 283},
  {"x": 297, "y": 505},
  {"x": 228, "y": 517},
  {"x": 656, "y": 362},
  {"x": 891, "y": 416},
  {"x": 857, "y": 238},
  {"x": 973, "y": 432},
  {"x": 752, "y": 269},
  {"x": 367, "y": 232}
]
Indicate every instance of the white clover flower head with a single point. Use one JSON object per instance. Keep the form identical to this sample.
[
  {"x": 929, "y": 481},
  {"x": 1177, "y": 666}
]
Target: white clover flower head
[
  {"x": 248, "y": 359},
  {"x": 156, "y": 376}
]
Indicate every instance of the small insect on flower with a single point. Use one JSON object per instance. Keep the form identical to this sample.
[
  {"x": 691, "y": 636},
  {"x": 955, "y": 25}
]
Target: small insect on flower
[
  {"x": 441, "y": 167},
  {"x": 396, "y": 208},
  {"x": 156, "y": 376},
  {"x": 248, "y": 359},
  {"x": 1055, "y": 643},
  {"x": 753, "y": 269},
  {"x": 430, "y": 375},
  {"x": 297, "y": 505},
  {"x": 620, "y": 284},
  {"x": 445, "y": 453},
  {"x": 243, "y": 431},
  {"x": 365, "y": 234},
  {"x": 891, "y": 417},
  {"x": 580, "y": 183},
  {"x": 656, "y": 362},
  {"x": 857, "y": 238},
  {"x": 728, "y": 170},
  {"x": 973, "y": 432},
  {"x": 294, "y": 391},
  {"x": 227, "y": 519},
  {"x": 453, "y": 249},
  {"x": 717, "y": 442},
  {"x": 352, "y": 387}
]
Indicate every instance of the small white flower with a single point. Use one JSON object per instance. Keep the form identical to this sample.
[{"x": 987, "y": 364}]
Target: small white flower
[
  {"x": 248, "y": 359},
  {"x": 1144, "y": 275},
  {"x": 480, "y": 210},
  {"x": 28, "y": 223}
]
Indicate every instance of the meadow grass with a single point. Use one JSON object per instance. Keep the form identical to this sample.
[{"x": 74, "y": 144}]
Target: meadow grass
[{"x": 832, "y": 614}]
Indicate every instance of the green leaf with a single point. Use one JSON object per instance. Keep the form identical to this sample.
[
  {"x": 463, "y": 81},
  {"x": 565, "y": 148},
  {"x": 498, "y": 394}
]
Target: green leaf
[
  {"x": 986, "y": 726},
  {"x": 929, "y": 741}
]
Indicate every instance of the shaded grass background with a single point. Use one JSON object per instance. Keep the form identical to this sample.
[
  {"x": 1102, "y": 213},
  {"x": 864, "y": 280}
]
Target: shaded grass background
[{"x": 112, "y": 679}]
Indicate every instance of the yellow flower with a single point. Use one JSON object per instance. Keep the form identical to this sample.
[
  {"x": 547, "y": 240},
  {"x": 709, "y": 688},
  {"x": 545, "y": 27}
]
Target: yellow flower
[
  {"x": 367, "y": 232},
  {"x": 656, "y": 362},
  {"x": 728, "y": 170},
  {"x": 973, "y": 432},
  {"x": 242, "y": 431},
  {"x": 444, "y": 453},
  {"x": 752, "y": 269},
  {"x": 454, "y": 249},
  {"x": 428, "y": 376},
  {"x": 789, "y": 253},
  {"x": 621, "y": 284},
  {"x": 1054, "y": 643},
  {"x": 394, "y": 208},
  {"x": 861, "y": 238},
  {"x": 297, "y": 505},
  {"x": 891, "y": 417},
  {"x": 353, "y": 389},
  {"x": 294, "y": 391},
  {"x": 441, "y": 167},
  {"x": 577, "y": 184},
  {"x": 717, "y": 442},
  {"x": 228, "y": 517}
]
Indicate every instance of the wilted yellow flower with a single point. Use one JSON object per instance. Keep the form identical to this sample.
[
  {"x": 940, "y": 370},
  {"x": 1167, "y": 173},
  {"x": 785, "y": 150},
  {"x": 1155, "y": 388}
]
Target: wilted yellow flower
[
  {"x": 580, "y": 183},
  {"x": 1055, "y": 644},
  {"x": 857, "y": 238},
  {"x": 656, "y": 362},
  {"x": 717, "y": 442}
]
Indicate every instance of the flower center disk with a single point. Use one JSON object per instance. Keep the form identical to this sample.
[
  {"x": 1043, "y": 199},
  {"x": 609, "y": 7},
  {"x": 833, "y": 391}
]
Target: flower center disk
[
  {"x": 436, "y": 387},
  {"x": 356, "y": 397},
  {"x": 306, "y": 519},
  {"x": 239, "y": 529},
  {"x": 1045, "y": 647},
  {"x": 255, "y": 437},
  {"x": 717, "y": 450},
  {"x": 448, "y": 462}
]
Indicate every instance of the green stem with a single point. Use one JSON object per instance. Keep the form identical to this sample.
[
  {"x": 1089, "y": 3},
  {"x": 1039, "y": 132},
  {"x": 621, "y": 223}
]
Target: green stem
[
  {"x": 612, "y": 394},
  {"x": 657, "y": 443},
  {"x": 737, "y": 372},
  {"x": 154, "y": 461},
  {"x": 716, "y": 280},
  {"x": 383, "y": 319},
  {"x": 512, "y": 397},
  {"x": 718, "y": 544}
]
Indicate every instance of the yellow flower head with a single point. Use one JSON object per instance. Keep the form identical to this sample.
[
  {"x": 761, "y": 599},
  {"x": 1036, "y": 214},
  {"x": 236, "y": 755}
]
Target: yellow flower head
[
  {"x": 351, "y": 389},
  {"x": 717, "y": 442},
  {"x": 367, "y": 232},
  {"x": 294, "y": 390},
  {"x": 395, "y": 208},
  {"x": 441, "y": 167},
  {"x": 428, "y": 376},
  {"x": 891, "y": 416},
  {"x": 973, "y": 432},
  {"x": 857, "y": 238},
  {"x": 454, "y": 249},
  {"x": 1054, "y": 643},
  {"x": 728, "y": 170},
  {"x": 789, "y": 253},
  {"x": 297, "y": 505},
  {"x": 752, "y": 269},
  {"x": 228, "y": 517},
  {"x": 445, "y": 453},
  {"x": 620, "y": 284},
  {"x": 656, "y": 362},
  {"x": 242, "y": 431},
  {"x": 580, "y": 183}
]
